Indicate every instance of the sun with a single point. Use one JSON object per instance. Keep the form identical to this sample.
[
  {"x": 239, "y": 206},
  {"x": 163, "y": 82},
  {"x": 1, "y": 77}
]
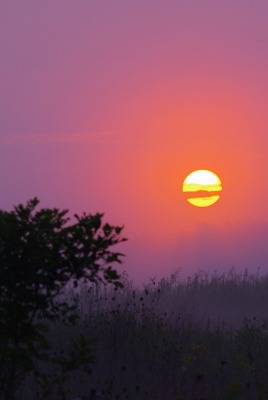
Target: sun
[{"x": 202, "y": 188}]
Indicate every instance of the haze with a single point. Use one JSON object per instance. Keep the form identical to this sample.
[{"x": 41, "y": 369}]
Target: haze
[{"x": 108, "y": 105}]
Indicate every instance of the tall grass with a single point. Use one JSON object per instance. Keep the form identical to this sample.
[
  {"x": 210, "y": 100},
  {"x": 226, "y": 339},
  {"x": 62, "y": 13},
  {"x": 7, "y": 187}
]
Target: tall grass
[{"x": 173, "y": 339}]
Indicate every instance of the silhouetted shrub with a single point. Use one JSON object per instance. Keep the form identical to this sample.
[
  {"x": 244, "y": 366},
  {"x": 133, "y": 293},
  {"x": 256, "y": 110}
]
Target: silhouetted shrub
[{"x": 40, "y": 252}]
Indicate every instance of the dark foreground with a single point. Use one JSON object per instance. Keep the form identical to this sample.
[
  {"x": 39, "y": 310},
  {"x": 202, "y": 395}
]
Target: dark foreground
[{"x": 201, "y": 339}]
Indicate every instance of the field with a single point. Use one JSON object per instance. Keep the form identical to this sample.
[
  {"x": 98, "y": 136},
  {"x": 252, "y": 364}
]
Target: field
[{"x": 201, "y": 338}]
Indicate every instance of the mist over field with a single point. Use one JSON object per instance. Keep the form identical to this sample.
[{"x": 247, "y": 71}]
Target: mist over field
[
  {"x": 201, "y": 338},
  {"x": 207, "y": 247}
]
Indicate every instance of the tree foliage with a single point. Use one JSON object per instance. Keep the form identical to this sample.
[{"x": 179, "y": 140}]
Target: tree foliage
[{"x": 40, "y": 252}]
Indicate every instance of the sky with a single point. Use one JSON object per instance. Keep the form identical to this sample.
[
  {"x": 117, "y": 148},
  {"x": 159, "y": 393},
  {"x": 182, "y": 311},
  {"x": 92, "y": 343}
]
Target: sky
[{"x": 106, "y": 106}]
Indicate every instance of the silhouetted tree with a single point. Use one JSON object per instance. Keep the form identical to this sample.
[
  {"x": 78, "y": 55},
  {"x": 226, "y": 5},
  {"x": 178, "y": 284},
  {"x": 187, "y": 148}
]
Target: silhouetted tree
[{"x": 40, "y": 252}]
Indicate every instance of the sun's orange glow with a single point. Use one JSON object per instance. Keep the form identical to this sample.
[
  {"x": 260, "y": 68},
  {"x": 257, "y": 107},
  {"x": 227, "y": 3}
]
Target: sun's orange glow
[{"x": 202, "y": 188}]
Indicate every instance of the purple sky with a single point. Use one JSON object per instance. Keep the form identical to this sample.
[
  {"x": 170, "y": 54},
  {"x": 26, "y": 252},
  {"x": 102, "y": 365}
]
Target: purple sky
[{"x": 107, "y": 106}]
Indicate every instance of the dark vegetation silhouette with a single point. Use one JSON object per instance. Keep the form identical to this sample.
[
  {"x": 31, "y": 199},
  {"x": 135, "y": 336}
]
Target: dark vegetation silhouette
[
  {"x": 66, "y": 334},
  {"x": 204, "y": 338},
  {"x": 40, "y": 253}
]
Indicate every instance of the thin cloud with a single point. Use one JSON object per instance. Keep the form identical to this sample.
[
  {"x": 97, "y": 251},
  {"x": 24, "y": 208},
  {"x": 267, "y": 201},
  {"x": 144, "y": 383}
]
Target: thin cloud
[{"x": 43, "y": 138}]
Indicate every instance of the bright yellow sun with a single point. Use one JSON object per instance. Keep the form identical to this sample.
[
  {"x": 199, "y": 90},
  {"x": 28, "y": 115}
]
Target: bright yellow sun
[{"x": 202, "y": 188}]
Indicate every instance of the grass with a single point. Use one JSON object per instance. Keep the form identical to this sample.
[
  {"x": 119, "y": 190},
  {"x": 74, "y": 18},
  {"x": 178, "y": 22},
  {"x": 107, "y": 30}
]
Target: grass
[{"x": 195, "y": 339}]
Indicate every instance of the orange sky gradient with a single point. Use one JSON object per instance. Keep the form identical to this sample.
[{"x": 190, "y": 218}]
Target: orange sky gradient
[{"x": 108, "y": 107}]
